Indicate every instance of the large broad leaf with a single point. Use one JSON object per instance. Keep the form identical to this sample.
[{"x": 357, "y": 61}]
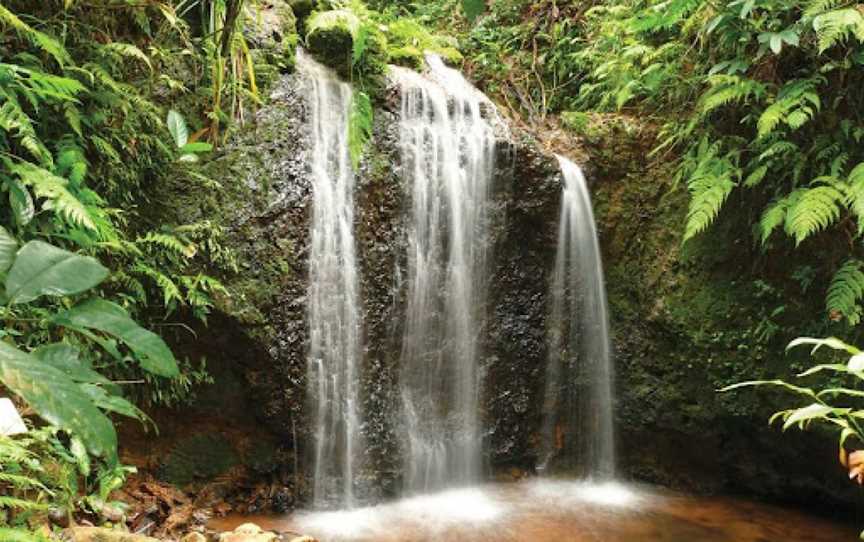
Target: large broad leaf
[
  {"x": 113, "y": 403},
  {"x": 43, "y": 269},
  {"x": 57, "y": 399},
  {"x": 473, "y": 8},
  {"x": 66, "y": 359},
  {"x": 816, "y": 411},
  {"x": 830, "y": 342},
  {"x": 107, "y": 317},
  {"x": 177, "y": 127},
  {"x": 8, "y": 247}
]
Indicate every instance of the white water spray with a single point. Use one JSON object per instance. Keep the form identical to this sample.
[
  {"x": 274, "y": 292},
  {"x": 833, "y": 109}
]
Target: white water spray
[
  {"x": 577, "y": 409},
  {"x": 333, "y": 298},
  {"x": 448, "y": 150}
]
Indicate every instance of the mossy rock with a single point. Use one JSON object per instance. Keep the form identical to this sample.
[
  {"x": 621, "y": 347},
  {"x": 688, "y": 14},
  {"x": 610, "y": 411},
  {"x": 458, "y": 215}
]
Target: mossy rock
[
  {"x": 408, "y": 41},
  {"x": 272, "y": 32},
  {"x": 330, "y": 38}
]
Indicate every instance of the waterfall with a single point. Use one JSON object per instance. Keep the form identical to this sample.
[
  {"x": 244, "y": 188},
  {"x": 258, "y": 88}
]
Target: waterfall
[
  {"x": 447, "y": 148},
  {"x": 577, "y": 409},
  {"x": 333, "y": 293}
]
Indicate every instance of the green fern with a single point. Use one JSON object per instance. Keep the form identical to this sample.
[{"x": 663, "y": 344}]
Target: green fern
[
  {"x": 774, "y": 215},
  {"x": 170, "y": 292},
  {"x": 729, "y": 89},
  {"x": 855, "y": 195},
  {"x": 813, "y": 211},
  {"x": 168, "y": 242},
  {"x": 15, "y": 503},
  {"x": 796, "y": 104},
  {"x": 845, "y": 292},
  {"x": 126, "y": 50},
  {"x": 835, "y": 27},
  {"x": 39, "y": 39},
  {"x": 710, "y": 180},
  {"x": 54, "y": 189},
  {"x": 816, "y": 7},
  {"x": 359, "y": 126}
]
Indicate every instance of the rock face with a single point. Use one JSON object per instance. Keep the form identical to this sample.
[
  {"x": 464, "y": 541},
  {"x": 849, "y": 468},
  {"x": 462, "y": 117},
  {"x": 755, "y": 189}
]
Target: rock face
[{"x": 668, "y": 307}]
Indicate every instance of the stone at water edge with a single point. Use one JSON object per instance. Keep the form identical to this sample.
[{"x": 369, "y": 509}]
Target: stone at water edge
[
  {"x": 194, "y": 537},
  {"x": 248, "y": 532},
  {"x": 99, "y": 534}
]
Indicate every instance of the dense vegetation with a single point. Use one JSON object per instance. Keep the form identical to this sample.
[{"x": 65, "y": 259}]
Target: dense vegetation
[{"x": 754, "y": 101}]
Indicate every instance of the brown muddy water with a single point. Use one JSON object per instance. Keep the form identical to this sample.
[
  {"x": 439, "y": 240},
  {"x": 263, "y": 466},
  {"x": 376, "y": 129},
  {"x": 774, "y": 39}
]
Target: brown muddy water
[{"x": 551, "y": 510}]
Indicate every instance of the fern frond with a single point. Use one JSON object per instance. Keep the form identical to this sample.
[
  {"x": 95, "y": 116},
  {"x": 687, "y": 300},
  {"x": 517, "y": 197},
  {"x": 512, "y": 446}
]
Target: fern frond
[
  {"x": 796, "y": 103},
  {"x": 815, "y": 7},
  {"x": 53, "y": 188},
  {"x": 15, "y": 121},
  {"x": 845, "y": 292},
  {"x": 359, "y": 126},
  {"x": 19, "y": 481},
  {"x": 168, "y": 242},
  {"x": 39, "y": 39},
  {"x": 835, "y": 27},
  {"x": 815, "y": 209},
  {"x": 728, "y": 89},
  {"x": 707, "y": 197},
  {"x": 855, "y": 195},
  {"x": 775, "y": 215},
  {"x": 126, "y": 50},
  {"x": 15, "y": 503},
  {"x": 170, "y": 291}
]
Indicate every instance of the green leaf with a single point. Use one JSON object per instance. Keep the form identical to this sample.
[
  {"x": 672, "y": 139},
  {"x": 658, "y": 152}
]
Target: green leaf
[
  {"x": 359, "y": 126},
  {"x": 65, "y": 358},
  {"x": 177, "y": 127},
  {"x": 835, "y": 367},
  {"x": 113, "y": 403},
  {"x": 752, "y": 383},
  {"x": 198, "y": 146},
  {"x": 22, "y": 204},
  {"x": 473, "y": 9},
  {"x": 8, "y": 248},
  {"x": 856, "y": 363},
  {"x": 830, "y": 342},
  {"x": 43, "y": 269},
  {"x": 809, "y": 413},
  {"x": 79, "y": 452},
  {"x": 150, "y": 350},
  {"x": 57, "y": 399}
]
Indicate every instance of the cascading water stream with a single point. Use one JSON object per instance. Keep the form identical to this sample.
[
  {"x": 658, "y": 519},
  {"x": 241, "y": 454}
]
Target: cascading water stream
[
  {"x": 577, "y": 411},
  {"x": 448, "y": 150},
  {"x": 333, "y": 293}
]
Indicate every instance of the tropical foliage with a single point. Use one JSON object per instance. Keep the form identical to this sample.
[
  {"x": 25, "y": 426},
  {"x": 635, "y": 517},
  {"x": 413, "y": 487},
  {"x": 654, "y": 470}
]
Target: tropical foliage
[{"x": 750, "y": 97}]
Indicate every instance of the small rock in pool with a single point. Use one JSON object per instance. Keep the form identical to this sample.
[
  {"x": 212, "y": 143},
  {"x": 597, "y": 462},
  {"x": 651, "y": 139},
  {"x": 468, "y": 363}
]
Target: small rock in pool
[{"x": 248, "y": 532}]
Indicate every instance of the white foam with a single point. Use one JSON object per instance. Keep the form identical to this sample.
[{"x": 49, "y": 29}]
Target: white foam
[
  {"x": 455, "y": 507},
  {"x": 572, "y": 493}
]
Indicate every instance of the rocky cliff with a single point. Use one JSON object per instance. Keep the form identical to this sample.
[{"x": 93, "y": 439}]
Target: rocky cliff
[{"x": 678, "y": 313}]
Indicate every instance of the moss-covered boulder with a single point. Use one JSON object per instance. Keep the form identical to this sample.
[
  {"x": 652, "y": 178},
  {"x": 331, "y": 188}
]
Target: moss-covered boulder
[
  {"x": 330, "y": 37},
  {"x": 271, "y": 31}
]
